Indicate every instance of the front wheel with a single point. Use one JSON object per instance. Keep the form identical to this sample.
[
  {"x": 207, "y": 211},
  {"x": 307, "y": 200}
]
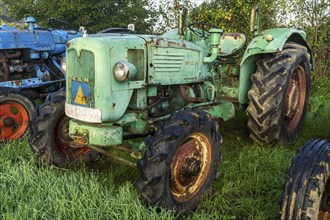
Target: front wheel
[
  {"x": 16, "y": 113},
  {"x": 181, "y": 161},
  {"x": 279, "y": 95},
  {"x": 307, "y": 187},
  {"x": 50, "y": 140}
]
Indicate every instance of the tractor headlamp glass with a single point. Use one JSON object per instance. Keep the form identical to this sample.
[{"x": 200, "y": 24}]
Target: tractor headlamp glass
[
  {"x": 63, "y": 65},
  {"x": 124, "y": 70},
  {"x": 121, "y": 71}
]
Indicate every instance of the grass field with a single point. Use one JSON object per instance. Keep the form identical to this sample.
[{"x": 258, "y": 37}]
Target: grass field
[{"x": 248, "y": 185}]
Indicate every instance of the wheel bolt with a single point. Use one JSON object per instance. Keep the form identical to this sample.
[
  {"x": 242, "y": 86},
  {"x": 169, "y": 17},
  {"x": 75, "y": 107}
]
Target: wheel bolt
[{"x": 7, "y": 122}]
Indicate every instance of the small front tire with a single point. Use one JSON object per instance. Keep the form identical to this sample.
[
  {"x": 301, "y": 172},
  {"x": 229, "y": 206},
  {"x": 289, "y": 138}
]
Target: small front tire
[
  {"x": 50, "y": 140},
  {"x": 16, "y": 114},
  {"x": 181, "y": 161}
]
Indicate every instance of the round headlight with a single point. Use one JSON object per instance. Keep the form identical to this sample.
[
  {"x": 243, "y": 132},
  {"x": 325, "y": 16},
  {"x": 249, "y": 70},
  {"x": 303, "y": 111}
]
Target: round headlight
[
  {"x": 63, "y": 65},
  {"x": 121, "y": 71}
]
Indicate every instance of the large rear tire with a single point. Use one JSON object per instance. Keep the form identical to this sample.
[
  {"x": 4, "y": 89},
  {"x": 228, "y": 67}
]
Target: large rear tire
[
  {"x": 307, "y": 188},
  {"x": 16, "y": 114},
  {"x": 279, "y": 95},
  {"x": 50, "y": 140},
  {"x": 181, "y": 161}
]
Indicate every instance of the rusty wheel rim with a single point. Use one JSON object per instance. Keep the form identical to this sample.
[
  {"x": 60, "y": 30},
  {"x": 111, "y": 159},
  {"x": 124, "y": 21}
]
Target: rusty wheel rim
[
  {"x": 295, "y": 98},
  {"x": 14, "y": 120},
  {"x": 62, "y": 140},
  {"x": 323, "y": 215},
  {"x": 190, "y": 167}
]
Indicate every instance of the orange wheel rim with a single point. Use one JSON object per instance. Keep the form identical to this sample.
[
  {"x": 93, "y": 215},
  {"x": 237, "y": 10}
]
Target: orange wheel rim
[
  {"x": 62, "y": 140},
  {"x": 190, "y": 167},
  {"x": 14, "y": 120}
]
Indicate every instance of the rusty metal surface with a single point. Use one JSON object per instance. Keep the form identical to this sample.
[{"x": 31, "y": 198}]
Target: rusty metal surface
[
  {"x": 111, "y": 156},
  {"x": 5, "y": 54},
  {"x": 324, "y": 216},
  {"x": 190, "y": 167},
  {"x": 231, "y": 43},
  {"x": 231, "y": 35},
  {"x": 295, "y": 98},
  {"x": 187, "y": 98}
]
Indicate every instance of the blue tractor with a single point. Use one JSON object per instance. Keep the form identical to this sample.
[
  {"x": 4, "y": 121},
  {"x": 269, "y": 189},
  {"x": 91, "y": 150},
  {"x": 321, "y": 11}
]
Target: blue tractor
[{"x": 32, "y": 65}]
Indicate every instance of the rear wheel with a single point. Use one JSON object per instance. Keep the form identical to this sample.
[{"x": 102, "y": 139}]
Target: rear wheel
[
  {"x": 16, "y": 113},
  {"x": 307, "y": 188},
  {"x": 50, "y": 141},
  {"x": 279, "y": 95},
  {"x": 181, "y": 161}
]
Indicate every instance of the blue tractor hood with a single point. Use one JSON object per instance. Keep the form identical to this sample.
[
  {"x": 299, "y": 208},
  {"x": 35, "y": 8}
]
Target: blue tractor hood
[
  {"x": 38, "y": 40},
  {"x": 35, "y": 38}
]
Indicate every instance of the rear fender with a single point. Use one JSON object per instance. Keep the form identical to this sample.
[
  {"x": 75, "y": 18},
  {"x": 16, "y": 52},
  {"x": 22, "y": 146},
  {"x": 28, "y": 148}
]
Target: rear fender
[{"x": 268, "y": 41}]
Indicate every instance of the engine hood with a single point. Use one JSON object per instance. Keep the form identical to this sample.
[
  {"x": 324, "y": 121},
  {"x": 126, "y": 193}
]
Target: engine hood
[{"x": 39, "y": 40}]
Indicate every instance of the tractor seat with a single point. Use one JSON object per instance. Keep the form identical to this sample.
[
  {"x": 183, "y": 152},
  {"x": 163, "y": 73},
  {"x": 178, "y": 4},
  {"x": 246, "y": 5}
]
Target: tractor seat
[{"x": 230, "y": 43}]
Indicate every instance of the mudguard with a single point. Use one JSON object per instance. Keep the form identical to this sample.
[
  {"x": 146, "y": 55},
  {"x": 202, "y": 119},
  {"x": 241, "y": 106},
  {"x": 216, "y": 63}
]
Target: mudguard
[{"x": 268, "y": 41}]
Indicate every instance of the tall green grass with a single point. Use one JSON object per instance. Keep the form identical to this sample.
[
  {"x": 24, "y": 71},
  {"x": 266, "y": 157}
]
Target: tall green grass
[
  {"x": 248, "y": 185},
  {"x": 30, "y": 191}
]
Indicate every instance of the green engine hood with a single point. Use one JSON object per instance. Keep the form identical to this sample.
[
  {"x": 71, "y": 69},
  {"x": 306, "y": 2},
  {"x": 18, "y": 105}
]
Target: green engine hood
[{"x": 90, "y": 80}]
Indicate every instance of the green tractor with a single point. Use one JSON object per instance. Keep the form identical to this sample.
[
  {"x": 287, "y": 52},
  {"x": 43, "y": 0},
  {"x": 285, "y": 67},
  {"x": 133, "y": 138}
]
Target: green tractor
[{"x": 166, "y": 93}]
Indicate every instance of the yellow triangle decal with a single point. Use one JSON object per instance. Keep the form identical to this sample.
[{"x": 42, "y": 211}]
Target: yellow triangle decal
[{"x": 80, "y": 98}]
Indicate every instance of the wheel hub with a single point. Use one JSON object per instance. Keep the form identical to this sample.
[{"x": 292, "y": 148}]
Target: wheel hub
[
  {"x": 14, "y": 119},
  {"x": 294, "y": 100},
  {"x": 190, "y": 167},
  {"x": 63, "y": 141},
  {"x": 6, "y": 122}
]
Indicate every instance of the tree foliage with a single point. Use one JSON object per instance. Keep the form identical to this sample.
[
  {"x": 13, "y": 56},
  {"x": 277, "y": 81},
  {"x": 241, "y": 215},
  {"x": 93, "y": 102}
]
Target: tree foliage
[
  {"x": 312, "y": 16},
  {"x": 234, "y": 15},
  {"x": 94, "y": 15},
  {"x": 167, "y": 12}
]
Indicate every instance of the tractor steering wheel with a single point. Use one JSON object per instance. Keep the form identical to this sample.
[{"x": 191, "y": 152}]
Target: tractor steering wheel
[
  {"x": 203, "y": 31},
  {"x": 59, "y": 24}
]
